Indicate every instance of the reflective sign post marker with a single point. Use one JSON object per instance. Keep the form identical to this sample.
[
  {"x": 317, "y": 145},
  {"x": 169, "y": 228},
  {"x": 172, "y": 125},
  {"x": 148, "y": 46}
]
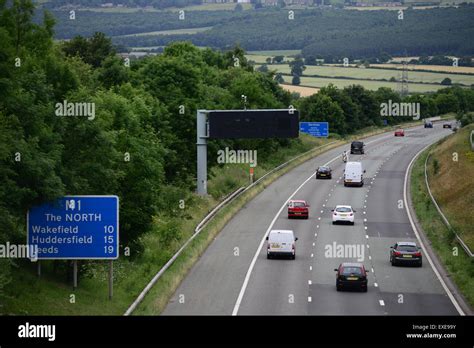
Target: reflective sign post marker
[{"x": 201, "y": 152}]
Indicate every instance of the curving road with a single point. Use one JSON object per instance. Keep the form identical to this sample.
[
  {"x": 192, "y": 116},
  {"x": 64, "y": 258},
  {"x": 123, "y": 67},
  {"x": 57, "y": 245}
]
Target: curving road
[{"x": 234, "y": 276}]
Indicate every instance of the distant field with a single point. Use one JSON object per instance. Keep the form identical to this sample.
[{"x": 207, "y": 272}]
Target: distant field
[
  {"x": 170, "y": 32},
  {"x": 440, "y": 68},
  {"x": 213, "y": 7},
  {"x": 375, "y": 8},
  {"x": 401, "y": 59},
  {"x": 204, "y": 7},
  {"x": 285, "y": 53},
  {"x": 379, "y": 74},
  {"x": 118, "y": 9},
  {"x": 302, "y": 90},
  {"x": 371, "y": 85}
]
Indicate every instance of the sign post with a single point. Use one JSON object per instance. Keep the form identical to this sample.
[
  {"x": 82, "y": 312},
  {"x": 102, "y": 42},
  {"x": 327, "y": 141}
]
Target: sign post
[
  {"x": 74, "y": 274},
  {"x": 111, "y": 279},
  {"x": 75, "y": 228}
]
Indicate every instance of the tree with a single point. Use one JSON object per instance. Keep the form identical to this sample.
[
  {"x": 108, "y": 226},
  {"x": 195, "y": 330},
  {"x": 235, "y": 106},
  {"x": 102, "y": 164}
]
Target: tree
[
  {"x": 320, "y": 107},
  {"x": 296, "y": 80},
  {"x": 310, "y": 60},
  {"x": 279, "y": 78},
  {"x": 446, "y": 103},
  {"x": 93, "y": 50},
  {"x": 263, "y": 68},
  {"x": 278, "y": 59},
  {"x": 446, "y": 81},
  {"x": 297, "y": 66},
  {"x": 238, "y": 8}
]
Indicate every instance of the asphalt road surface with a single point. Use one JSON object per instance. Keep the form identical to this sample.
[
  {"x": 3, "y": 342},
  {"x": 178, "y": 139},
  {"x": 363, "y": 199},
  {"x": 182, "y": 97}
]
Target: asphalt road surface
[{"x": 234, "y": 276}]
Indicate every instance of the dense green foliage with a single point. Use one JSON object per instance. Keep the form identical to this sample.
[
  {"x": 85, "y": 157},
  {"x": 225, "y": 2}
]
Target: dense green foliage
[
  {"x": 86, "y": 23},
  {"x": 141, "y": 143},
  {"x": 159, "y": 4},
  {"x": 354, "y": 107},
  {"x": 329, "y": 34}
]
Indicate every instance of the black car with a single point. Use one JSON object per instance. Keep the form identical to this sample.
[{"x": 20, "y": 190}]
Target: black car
[
  {"x": 447, "y": 125},
  {"x": 357, "y": 147},
  {"x": 405, "y": 253},
  {"x": 351, "y": 275},
  {"x": 323, "y": 172},
  {"x": 429, "y": 124}
]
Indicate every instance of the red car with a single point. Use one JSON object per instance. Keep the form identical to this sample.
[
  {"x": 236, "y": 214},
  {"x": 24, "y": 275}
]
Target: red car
[
  {"x": 298, "y": 208},
  {"x": 399, "y": 133}
]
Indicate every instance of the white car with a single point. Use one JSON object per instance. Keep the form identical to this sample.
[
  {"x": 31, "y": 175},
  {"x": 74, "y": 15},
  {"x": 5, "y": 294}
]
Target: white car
[
  {"x": 343, "y": 213},
  {"x": 281, "y": 243}
]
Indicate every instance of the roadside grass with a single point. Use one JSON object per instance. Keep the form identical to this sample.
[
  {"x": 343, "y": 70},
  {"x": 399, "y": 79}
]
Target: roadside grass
[
  {"x": 459, "y": 266},
  {"x": 453, "y": 184},
  {"x": 157, "y": 298},
  {"x": 51, "y": 294}
]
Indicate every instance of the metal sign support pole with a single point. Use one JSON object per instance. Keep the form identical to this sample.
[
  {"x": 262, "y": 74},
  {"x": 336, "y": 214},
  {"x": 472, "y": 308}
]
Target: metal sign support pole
[
  {"x": 74, "y": 275},
  {"x": 38, "y": 268},
  {"x": 201, "y": 132},
  {"x": 111, "y": 279}
]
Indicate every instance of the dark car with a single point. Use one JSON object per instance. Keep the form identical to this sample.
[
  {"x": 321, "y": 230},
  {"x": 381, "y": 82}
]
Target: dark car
[
  {"x": 428, "y": 124},
  {"x": 357, "y": 147},
  {"x": 405, "y": 253},
  {"x": 351, "y": 275},
  {"x": 323, "y": 172},
  {"x": 447, "y": 125}
]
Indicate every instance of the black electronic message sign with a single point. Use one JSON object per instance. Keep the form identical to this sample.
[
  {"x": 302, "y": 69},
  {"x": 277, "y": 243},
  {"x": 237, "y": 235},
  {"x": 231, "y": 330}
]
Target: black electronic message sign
[{"x": 252, "y": 124}]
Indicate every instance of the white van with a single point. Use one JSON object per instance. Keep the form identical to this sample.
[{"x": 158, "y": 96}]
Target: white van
[
  {"x": 354, "y": 174},
  {"x": 281, "y": 242}
]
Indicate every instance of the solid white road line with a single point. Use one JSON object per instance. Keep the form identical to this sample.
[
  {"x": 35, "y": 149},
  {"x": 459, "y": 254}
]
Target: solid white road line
[
  {"x": 427, "y": 256},
  {"x": 257, "y": 252}
]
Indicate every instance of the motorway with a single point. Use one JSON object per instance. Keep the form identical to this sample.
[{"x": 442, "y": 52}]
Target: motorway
[{"x": 234, "y": 276}]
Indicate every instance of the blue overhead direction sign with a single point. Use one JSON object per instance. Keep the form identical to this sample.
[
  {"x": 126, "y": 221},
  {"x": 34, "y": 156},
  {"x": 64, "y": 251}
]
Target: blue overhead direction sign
[
  {"x": 316, "y": 129},
  {"x": 75, "y": 227}
]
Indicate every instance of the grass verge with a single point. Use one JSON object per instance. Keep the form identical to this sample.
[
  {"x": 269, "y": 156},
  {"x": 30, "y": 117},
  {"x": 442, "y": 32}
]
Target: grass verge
[
  {"x": 52, "y": 293},
  {"x": 457, "y": 263}
]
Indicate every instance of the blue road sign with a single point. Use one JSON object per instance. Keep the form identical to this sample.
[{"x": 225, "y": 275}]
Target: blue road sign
[
  {"x": 75, "y": 227},
  {"x": 316, "y": 129}
]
